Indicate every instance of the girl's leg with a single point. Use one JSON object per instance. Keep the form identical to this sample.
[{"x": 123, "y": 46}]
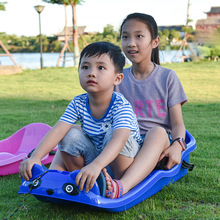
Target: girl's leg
[{"x": 156, "y": 141}]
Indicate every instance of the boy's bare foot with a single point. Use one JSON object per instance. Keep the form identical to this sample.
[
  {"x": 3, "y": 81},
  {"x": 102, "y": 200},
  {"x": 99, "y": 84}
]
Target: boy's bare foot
[{"x": 114, "y": 187}]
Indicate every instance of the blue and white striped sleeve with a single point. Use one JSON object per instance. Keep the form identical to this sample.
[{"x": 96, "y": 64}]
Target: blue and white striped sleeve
[
  {"x": 125, "y": 118},
  {"x": 71, "y": 114}
]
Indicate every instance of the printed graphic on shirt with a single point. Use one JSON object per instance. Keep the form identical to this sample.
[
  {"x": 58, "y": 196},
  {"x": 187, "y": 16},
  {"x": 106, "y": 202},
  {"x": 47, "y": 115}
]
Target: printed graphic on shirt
[
  {"x": 106, "y": 126},
  {"x": 141, "y": 108}
]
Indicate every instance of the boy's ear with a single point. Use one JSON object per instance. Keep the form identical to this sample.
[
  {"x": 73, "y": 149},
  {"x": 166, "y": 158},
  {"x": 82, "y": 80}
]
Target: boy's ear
[
  {"x": 156, "y": 42},
  {"x": 118, "y": 78}
]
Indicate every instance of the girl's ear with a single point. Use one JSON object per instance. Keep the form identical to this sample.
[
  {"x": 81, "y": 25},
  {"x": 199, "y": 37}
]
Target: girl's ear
[
  {"x": 118, "y": 78},
  {"x": 156, "y": 42}
]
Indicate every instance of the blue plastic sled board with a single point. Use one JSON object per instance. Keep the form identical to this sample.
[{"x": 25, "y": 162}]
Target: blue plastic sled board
[{"x": 59, "y": 187}]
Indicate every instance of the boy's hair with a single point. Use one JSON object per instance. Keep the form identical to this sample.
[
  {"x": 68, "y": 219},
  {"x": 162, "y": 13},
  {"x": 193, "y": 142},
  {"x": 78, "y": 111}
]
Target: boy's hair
[
  {"x": 152, "y": 27},
  {"x": 98, "y": 48}
]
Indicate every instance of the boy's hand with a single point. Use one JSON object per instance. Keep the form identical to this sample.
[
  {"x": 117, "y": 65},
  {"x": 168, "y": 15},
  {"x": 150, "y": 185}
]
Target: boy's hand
[
  {"x": 88, "y": 175},
  {"x": 173, "y": 153},
  {"x": 26, "y": 167}
]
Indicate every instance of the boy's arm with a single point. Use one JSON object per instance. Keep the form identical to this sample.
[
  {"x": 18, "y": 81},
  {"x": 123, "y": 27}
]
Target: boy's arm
[
  {"x": 50, "y": 140},
  {"x": 90, "y": 173},
  {"x": 177, "y": 130}
]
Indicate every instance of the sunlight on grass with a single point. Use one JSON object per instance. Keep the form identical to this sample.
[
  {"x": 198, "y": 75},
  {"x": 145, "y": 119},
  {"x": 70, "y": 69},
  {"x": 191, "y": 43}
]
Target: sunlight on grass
[
  {"x": 46, "y": 84},
  {"x": 200, "y": 81}
]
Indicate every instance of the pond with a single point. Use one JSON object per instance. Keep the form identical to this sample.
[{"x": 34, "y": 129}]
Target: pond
[{"x": 32, "y": 60}]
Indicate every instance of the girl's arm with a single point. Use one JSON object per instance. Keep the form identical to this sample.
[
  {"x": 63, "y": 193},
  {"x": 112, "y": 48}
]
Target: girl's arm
[
  {"x": 177, "y": 130},
  {"x": 50, "y": 140},
  {"x": 90, "y": 173}
]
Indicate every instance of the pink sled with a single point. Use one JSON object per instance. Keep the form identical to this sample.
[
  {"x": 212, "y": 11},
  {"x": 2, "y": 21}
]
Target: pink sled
[{"x": 17, "y": 147}]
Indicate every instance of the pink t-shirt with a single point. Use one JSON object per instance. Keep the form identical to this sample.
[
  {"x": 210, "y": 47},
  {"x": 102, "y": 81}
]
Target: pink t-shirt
[{"x": 152, "y": 97}]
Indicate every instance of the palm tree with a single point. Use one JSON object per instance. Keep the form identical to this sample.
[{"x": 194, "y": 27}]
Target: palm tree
[{"x": 73, "y": 4}]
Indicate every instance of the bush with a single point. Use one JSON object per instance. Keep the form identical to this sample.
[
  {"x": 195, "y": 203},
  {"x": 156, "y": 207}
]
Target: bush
[
  {"x": 215, "y": 51},
  {"x": 204, "y": 51},
  {"x": 209, "y": 52}
]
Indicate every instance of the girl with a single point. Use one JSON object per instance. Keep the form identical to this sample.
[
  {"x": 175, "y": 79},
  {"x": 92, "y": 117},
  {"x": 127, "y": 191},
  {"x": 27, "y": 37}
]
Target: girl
[{"x": 156, "y": 95}]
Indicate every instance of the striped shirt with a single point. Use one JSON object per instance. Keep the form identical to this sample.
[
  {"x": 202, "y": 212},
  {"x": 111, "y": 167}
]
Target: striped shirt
[{"x": 118, "y": 115}]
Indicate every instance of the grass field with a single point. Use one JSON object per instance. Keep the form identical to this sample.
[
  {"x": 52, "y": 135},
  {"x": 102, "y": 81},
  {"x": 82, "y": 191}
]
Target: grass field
[{"x": 42, "y": 96}]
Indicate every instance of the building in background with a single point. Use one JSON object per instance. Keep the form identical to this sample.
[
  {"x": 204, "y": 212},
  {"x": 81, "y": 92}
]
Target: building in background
[
  {"x": 207, "y": 30},
  {"x": 61, "y": 35},
  {"x": 212, "y": 22}
]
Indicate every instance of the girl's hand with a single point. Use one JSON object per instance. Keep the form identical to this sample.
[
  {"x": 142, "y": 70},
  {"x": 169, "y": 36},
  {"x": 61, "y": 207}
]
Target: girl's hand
[
  {"x": 173, "y": 153},
  {"x": 88, "y": 176},
  {"x": 178, "y": 130},
  {"x": 26, "y": 167}
]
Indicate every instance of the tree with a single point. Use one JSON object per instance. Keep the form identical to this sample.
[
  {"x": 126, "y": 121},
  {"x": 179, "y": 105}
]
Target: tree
[
  {"x": 174, "y": 34},
  {"x": 73, "y": 4},
  {"x": 166, "y": 33},
  {"x": 2, "y": 6},
  {"x": 187, "y": 30},
  {"x": 163, "y": 41}
]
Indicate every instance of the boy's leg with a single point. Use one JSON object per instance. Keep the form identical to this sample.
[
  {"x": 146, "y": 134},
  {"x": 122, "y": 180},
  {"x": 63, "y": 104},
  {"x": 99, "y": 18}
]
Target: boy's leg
[
  {"x": 64, "y": 161},
  {"x": 57, "y": 163},
  {"x": 156, "y": 141},
  {"x": 72, "y": 162},
  {"x": 126, "y": 156},
  {"x": 120, "y": 165},
  {"x": 74, "y": 151}
]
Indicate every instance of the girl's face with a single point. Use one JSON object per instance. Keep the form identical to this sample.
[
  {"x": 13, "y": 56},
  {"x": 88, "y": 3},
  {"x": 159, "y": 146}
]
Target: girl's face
[{"x": 136, "y": 41}]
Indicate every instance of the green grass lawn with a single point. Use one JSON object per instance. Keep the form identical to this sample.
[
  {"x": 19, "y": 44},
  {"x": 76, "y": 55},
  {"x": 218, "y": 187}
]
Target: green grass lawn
[{"x": 43, "y": 95}]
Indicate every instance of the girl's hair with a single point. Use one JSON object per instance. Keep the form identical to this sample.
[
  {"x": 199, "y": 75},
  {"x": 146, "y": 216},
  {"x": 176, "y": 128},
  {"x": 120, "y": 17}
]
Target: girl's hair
[
  {"x": 98, "y": 48},
  {"x": 152, "y": 26}
]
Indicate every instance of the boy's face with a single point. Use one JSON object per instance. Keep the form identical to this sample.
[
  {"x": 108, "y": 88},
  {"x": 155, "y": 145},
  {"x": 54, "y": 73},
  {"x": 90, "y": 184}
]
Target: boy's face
[{"x": 97, "y": 74}]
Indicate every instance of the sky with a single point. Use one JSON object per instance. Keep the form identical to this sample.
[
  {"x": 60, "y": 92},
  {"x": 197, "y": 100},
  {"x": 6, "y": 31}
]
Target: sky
[{"x": 20, "y": 17}]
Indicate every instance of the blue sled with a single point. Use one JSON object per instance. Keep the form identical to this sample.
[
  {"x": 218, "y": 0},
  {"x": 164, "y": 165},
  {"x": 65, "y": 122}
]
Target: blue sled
[{"x": 59, "y": 187}]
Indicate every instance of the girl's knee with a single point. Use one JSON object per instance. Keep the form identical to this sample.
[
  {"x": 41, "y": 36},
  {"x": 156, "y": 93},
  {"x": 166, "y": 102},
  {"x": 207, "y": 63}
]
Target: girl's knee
[
  {"x": 160, "y": 131},
  {"x": 157, "y": 135}
]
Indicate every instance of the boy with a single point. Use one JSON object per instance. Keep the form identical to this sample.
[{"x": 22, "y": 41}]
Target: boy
[{"x": 109, "y": 131}]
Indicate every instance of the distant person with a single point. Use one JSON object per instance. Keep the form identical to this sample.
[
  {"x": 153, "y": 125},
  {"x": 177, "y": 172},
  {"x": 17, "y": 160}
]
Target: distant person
[
  {"x": 109, "y": 130},
  {"x": 156, "y": 96}
]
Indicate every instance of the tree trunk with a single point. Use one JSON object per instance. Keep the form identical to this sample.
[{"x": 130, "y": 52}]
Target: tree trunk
[{"x": 75, "y": 36}]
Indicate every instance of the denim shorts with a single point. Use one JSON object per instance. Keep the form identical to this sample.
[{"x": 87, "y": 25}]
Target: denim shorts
[{"x": 77, "y": 144}]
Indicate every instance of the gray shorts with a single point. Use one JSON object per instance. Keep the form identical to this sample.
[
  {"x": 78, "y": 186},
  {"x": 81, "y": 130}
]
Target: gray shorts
[{"x": 77, "y": 144}]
